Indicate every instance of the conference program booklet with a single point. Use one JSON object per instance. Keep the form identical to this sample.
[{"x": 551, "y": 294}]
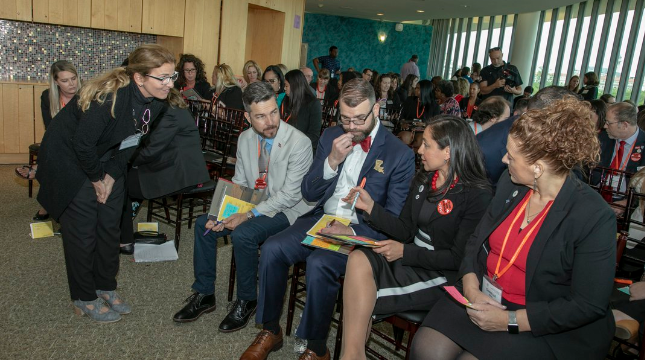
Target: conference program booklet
[
  {"x": 315, "y": 239},
  {"x": 230, "y": 198},
  {"x": 354, "y": 240}
]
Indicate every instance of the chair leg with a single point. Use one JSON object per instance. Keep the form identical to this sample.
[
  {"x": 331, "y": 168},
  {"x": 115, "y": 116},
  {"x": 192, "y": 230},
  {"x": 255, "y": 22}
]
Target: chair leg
[
  {"x": 166, "y": 209},
  {"x": 150, "y": 205},
  {"x": 231, "y": 276},
  {"x": 339, "y": 332},
  {"x": 398, "y": 336},
  {"x": 190, "y": 212},
  {"x": 180, "y": 200},
  {"x": 31, "y": 182},
  {"x": 292, "y": 298}
]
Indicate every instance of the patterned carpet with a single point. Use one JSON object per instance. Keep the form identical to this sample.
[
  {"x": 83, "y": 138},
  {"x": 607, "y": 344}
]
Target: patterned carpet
[{"x": 39, "y": 322}]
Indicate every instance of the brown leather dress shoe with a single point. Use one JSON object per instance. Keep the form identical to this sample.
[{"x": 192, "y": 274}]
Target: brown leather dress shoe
[
  {"x": 310, "y": 355},
  {"x": 264, "y": 343}
]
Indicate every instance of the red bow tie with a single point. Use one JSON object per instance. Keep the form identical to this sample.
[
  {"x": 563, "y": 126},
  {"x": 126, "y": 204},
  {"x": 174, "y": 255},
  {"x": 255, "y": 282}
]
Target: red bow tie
[{"x": 365, "y": 144}]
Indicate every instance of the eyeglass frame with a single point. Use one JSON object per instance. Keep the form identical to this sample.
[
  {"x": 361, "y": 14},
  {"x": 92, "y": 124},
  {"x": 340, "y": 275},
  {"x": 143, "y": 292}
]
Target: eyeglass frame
[
  {"x": 613, "y": 122},
  {"x": 166, "y": 80},
  {"x": 272, "y": 81},
  {"x": 190, "y": 71},
  {"x": 354, "y": 121}
]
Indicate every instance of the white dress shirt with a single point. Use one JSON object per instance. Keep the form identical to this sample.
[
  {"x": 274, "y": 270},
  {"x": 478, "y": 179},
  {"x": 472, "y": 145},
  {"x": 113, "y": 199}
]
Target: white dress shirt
[{"x": 348, "y": 179}]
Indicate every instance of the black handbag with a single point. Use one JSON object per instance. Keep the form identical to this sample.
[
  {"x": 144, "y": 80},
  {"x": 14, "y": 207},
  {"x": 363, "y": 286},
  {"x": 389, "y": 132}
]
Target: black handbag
[{"x": 149, "y": 237}]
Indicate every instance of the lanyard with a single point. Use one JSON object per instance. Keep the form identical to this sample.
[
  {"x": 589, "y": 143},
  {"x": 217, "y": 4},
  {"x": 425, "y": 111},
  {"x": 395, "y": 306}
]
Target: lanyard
[
  {"x": 145, "y": 118},
  {"x": 498, "y": 273},
  {"x": 422, "y": 111},
  {"x": 62, "y": 103},
  {"x": 282, "y": 113},
  {"x": 623, "y": 164},
  {"x": 320, "y": 94}
]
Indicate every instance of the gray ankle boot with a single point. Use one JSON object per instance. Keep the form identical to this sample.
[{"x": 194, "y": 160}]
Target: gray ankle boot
[{"x": 110, "y": 297}]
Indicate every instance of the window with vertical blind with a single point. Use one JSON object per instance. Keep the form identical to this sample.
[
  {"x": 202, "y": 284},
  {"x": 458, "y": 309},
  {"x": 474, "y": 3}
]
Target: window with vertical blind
[{"x": 603, "y": 36}]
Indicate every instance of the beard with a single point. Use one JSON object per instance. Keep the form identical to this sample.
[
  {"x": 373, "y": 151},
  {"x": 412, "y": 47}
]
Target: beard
[{"x": 360, "y": 135}]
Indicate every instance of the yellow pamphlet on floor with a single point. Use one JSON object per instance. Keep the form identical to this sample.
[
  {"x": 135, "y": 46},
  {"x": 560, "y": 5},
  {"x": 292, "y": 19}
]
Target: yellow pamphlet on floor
[
  {"x": 41, "y": 230},
  {"x": 148, "y": 226},
  {"x": 322, "y": 223}
]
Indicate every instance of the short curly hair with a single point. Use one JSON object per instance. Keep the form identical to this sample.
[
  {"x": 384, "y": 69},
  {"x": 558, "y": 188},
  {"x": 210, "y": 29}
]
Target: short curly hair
[
  {"x": 199, "y": 65},
  {"x": 562, "y": 135}
]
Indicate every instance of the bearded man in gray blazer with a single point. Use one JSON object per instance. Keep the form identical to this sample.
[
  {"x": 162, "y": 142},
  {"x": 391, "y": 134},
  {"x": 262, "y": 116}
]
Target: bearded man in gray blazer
[{"x": 272, "y": 155}]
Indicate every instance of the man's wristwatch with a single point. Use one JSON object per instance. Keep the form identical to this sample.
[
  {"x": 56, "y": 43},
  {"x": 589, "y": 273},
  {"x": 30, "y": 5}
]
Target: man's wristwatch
[
  {"x": 250, "y": 215},
  {"x": 513, "y": 328}
]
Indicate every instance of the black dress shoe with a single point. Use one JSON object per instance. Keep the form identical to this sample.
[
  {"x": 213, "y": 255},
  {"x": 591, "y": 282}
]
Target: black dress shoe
[
  {"x": 198, "y": 304},
  {"x": 127, "y": 249},
  {"x": 238, "y": 316},
  {"x": 40, "y": 217}
]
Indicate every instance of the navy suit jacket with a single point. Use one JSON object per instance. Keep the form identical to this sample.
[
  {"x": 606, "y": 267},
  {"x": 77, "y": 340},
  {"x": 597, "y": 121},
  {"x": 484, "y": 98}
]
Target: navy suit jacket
[
  {"x": 607, "y": 146},
  {"x": 388, "y": 169},
  {"x": 493, "y": 145}
]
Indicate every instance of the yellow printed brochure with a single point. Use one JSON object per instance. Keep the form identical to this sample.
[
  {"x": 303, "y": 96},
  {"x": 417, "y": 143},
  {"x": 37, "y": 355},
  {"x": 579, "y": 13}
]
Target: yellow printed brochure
[
  {"x": 231, "y": 205},
  {"x": 322, "y": 223},
  {"x": 41, "y": 230},
  {"x": 148, "y": 226}
]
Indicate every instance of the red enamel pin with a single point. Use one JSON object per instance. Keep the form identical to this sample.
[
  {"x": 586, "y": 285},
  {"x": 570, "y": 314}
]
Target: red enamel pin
[{"x": 444, "y": 207}]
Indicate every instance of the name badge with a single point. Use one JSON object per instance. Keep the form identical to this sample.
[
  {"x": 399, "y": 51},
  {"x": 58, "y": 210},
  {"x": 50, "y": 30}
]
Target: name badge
[
  {"x": 584, "y": 92},
  {"x": 130, "y": 141},
  {"x": 491, "y": 288}
]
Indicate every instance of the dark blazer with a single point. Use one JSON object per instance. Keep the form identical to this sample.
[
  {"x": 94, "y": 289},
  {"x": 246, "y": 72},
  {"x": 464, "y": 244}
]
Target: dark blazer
[
  {"x": 463, "y": 104},
  {"x": 449, "y": 233},
  {"x": 388, "y": 188},
  {"x": 492, "y": 142},
  {"x": 201, "y": 87},
  {"x": 231, "y": 97},
  {"x": 85, "y": 145},
  {"x": 569, "y": 269},
  {"x": 171, "y": 158},
  {"x": 44, "y": 108},
  {"x": 309, "y": 120},
  {"x": 608, "y": 145},
  {"x": 331, "y": 93},
  {"x": 409, "y": 109}
]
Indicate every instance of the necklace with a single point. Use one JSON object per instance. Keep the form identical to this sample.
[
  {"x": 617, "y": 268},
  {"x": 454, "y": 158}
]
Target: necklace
[
  {"x": 434, "y": 182},
  {"x": 422, "y": 110}
]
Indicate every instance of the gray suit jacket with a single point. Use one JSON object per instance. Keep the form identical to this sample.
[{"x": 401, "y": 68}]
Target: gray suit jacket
[{"x": 289, "y": 161}]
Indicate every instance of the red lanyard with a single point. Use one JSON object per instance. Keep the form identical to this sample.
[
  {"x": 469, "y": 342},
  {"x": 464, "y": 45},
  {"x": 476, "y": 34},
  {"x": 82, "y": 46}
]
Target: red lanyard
[
  {"x": 623, "y": 164},
  {"x": 62, "y": 103},
  {"x": 320, "y": 94},
  {"x": 536, "y": 221},
  {"x": 422, "y": 111},
  {"x": 282, "y": 112}
]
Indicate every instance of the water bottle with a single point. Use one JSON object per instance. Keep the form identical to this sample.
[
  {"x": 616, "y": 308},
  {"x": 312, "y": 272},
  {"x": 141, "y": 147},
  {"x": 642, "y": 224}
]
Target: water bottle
[{"x": 300, "y": 345}]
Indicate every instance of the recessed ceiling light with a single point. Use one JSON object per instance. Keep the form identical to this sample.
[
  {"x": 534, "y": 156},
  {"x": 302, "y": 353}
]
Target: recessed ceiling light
[
  {"x": 420, "y": 11},
  {"x": 379, "y": 14}
]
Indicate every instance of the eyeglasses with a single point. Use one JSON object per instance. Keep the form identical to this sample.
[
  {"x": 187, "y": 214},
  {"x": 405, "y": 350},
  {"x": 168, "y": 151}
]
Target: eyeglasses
[
  {"x": 272, "y": 81},
  {"x": 190, "y": 71},
  {"x": 612, "y": 122},
  {"x": 166, "y": 79},
  {"x": 359, "y": 120}
]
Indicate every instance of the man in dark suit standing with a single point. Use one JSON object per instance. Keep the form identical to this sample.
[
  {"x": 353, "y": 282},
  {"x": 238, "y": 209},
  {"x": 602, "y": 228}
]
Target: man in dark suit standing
[{"x": 359, "y": 149}]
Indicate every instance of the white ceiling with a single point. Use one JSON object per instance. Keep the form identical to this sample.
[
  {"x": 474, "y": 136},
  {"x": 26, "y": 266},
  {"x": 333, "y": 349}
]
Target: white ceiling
[{"x": 406, "y": 10}]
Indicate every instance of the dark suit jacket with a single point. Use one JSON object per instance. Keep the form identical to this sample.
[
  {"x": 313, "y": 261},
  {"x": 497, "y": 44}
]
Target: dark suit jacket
[
  {"x": 388, "y": 189},
  {"x": 608, "y": 145},
  {"x": 170, "y": 159},
  {"x": 231, "y": 97},
  {"x": 309, "y": 120},
  {"x": 569, "y": 269},
  {"x": 85, "y": 145},
  {"x": 449, "y": 233},
  {"x": 492, "y": 142},
  {"x": 44, "y": 108}
]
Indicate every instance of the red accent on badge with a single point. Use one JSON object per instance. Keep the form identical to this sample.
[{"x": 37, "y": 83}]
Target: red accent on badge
[
  {"x": 444, "y": 207},
  {"x": 636, "y": 157}
]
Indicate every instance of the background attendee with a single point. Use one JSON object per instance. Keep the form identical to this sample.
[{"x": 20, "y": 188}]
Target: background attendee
[
  {"x": 274, "y": 76},
  {"x": 469, "y": 104},
  {"x": 329, "y": 62},
  {"x": 462, "y": 89},
  {"x": 542, "y": 226},
  {"x": 367, "y": 74},
  {"x": 252, "y": 72},
  {"x": 325, "y": 92},
  {"x": 395, "y": 84},
  {"x": 608, "y": 98},
  {"x": 82, "y": 181},
  {"x": 428, "y": 242},
  {"x": 475, "y": 74},
  {"x": 525, "y": 95},
  {"x": 621, "y": 139},
  {"x": 386, "y": 97},
  {"x": 407, "y": 88},
  {"x": 192, "y": 75},
  {"x": 421, "y": 105},
  {"x": 410, "y": 67},
  {"x": 64, "y": 84},
  {"x": 456, "y": 75},
  {"x": 300, "y": 108},
  {"x": 574, "y": 83},
  {"x": 346, "y": 76},
  {"x": 444, "y": 94},
  {"x": 520, "y": 107},
  {"x": 308, "y": 73},
  {"x": 500, "y": 78},
  {"x": 491, "y": 111},
  {"x": 598, "y": 116},
  {"x": 283, "y": 68},
  {"x": 225, "y": 91},
  {"x": 590, "y": 83},
  {"x": 465, "y": 72},
  {"x": 375, "y": 78}
]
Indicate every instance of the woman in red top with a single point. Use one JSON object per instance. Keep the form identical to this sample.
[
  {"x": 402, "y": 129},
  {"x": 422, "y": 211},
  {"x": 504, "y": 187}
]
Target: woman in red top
[{"x": 539, "y": 269}]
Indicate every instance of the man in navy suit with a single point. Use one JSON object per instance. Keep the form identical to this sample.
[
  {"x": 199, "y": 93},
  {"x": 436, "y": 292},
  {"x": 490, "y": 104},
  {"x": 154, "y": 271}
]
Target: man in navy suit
[
  {"x": 621, "y": 127},
  {"x": 359, "y": 149}
]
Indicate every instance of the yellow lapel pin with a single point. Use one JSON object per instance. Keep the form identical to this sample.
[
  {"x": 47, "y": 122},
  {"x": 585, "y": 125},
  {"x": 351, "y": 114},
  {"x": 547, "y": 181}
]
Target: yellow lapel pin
[{"x": 378, "y": 166}]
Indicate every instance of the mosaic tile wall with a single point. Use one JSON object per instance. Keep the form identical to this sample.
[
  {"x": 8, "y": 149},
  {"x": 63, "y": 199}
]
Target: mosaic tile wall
[{"x": 27, "y": 50}]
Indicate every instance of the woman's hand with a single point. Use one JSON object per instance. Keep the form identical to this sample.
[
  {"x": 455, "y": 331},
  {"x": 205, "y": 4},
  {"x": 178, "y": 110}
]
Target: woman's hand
[
  {"x": 364, "y": 202},
  {"x": 108, "y": 182},
  {"x": 637, "y": 291},
  {"x": 336, "y": 228},
  {"x": 99, "y": 188},
  {"x": 474, "y": 295},
  {"x": 390, "y": 249},
  {"x": 488, "y": 317}
]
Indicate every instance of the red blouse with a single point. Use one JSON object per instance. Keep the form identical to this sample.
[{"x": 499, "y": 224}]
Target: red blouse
[{"x": 513, "y": 281}]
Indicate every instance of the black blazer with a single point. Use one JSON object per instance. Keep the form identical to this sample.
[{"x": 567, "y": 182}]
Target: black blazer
[
  {"x": 85, "y": 145},
  {"x": 409, "y": 109},
  {"x": 449, "y": 233},
  {"x": 569, "y": 269},
  {"x": 170, "y": 159},
  {"x": 608, "y": 145},
  {"x": 309, "y": 120},
  {"x": 231, "y": 97},
  {"x": 44, "y": 108},
  {"x": 463, "y": 104}
]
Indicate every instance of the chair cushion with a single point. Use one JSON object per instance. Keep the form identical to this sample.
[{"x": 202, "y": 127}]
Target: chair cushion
[
  {"x": 415, "y": 316},
  {"x": 207, "y": 186}
]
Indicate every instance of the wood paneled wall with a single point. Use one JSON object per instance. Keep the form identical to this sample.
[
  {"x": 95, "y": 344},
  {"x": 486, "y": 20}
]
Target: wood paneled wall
[
  {"x": 64, "y": 12},
  {"x": 15, "y": 9},
  {"x": 201, "y": 31}
]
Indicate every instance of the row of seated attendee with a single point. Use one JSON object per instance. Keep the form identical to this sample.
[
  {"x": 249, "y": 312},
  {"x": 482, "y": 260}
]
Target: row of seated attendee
[{"x": 493, "y": 210}]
